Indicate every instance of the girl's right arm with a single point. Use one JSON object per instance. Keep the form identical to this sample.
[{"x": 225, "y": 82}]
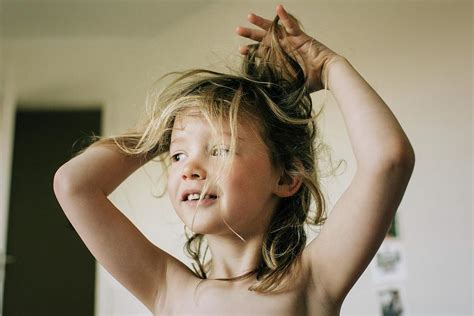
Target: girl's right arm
[{"x": 81, "y": 187}]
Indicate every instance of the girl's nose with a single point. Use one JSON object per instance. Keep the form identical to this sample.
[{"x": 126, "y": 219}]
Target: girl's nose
[{"x": 193, "y": 171}]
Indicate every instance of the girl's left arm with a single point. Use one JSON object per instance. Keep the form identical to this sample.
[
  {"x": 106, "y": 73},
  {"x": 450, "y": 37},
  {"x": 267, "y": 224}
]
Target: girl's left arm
[
  {"x": 360, "y": 219},
  {"x": 376, "y": 136}
]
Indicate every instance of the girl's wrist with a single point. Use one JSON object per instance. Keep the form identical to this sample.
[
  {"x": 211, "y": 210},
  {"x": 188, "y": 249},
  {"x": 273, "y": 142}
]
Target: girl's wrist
[{"x": 327, "y": 66}]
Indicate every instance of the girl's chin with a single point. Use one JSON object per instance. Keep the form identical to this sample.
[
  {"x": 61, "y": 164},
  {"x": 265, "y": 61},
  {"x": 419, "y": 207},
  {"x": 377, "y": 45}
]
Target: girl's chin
[
  {"x": 201, "y": 220},
  {"x": 203, "y": 228}
]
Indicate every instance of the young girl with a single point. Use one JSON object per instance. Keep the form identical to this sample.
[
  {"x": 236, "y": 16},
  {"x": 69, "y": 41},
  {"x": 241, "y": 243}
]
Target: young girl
[{"x": 240, "y": 152}]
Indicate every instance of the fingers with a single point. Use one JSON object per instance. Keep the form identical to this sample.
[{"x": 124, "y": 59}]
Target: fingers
[
  {"x": 253, "y": 34},
  {"x": 244, "y": 50},
  {"x": 259, "y": 21},
  {"x": 258, "y": 35},
  {"x": 290, "y": 25}
]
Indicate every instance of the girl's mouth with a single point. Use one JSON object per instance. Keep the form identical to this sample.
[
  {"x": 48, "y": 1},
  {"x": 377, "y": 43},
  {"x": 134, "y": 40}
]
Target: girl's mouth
[
  {"x": 196, "y": 196},
  {"x": 206, "y": 201},
  {"x": 195, "y": 199}
]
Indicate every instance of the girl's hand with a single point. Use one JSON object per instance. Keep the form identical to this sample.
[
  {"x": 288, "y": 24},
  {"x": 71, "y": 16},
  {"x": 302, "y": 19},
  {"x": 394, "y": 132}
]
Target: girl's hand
[{"x": 315, "y": 56}]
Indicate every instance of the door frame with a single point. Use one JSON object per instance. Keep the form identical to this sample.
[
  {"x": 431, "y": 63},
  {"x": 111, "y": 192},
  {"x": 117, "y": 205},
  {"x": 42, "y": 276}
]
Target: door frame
[{"x": 8, "y": 101}]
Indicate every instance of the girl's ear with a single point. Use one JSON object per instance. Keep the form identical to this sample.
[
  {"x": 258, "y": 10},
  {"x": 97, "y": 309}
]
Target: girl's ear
[{"x": 287, "y": 185}]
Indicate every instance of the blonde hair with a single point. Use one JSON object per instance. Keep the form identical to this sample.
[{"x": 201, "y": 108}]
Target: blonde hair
[{"x": 270, "y": 90}]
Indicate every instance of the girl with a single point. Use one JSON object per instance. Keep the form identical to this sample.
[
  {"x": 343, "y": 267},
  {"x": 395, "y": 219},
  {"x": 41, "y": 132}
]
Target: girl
[{"x": 240, "y": 152}]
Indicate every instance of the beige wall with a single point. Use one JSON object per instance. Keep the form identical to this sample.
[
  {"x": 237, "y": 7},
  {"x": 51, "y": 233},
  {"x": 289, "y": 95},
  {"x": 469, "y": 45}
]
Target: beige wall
[
  {"x": 417, "y": 56},
  {"x": 7, "y": 110}
]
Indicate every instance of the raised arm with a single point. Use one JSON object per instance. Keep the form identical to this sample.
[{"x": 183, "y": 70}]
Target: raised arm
[
  {"x": 361, "y": 217},
  {"x": 81, "y": 186},
  {"x": 376, "y": 136},
  {"x": 101, "y": 167}
]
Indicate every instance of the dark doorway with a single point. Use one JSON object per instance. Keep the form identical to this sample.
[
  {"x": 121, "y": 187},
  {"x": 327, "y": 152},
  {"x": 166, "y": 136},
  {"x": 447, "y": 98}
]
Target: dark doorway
[{"x": 53, "y": 272}]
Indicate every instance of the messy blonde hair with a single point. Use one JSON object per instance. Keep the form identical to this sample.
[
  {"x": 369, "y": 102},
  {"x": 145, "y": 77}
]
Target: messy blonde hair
[{"x": 271, "y": 91}]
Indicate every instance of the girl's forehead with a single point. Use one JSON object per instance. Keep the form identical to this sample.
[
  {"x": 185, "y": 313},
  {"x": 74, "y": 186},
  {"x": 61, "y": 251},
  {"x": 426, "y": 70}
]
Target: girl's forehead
[
  {"x": 196, "y": 120},
  {"x": 190, "y": 124},
  {"x": 187, "y": 120}
]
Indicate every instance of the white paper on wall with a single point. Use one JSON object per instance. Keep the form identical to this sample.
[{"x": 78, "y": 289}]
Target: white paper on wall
[
  {"x": 389, "y": 265},
  {"x": 392, "y": 300}
]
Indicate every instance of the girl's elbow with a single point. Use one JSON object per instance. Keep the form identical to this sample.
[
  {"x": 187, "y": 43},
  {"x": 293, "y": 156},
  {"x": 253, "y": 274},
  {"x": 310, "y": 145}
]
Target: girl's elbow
[
  {"x": 400, "y": 159},
  {"x": 406, "y": 157},
  {"x": 62, "y": 184},
  {"x": 58, "y": 182}
]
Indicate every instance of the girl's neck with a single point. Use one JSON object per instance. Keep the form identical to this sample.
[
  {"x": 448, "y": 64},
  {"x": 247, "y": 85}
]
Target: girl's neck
[{"x": 231, "y": 259}]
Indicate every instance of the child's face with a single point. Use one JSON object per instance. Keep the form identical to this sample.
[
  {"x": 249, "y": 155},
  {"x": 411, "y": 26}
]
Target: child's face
[{"x": 245, "y": 196}]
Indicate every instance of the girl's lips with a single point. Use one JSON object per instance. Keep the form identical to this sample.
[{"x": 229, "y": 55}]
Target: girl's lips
[
  {"x": 203, "y": 202},
  {"x": 184, "y": 195}
]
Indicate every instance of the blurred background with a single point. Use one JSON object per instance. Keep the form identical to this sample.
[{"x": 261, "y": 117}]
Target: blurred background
[{"x": 72, "y": 68}]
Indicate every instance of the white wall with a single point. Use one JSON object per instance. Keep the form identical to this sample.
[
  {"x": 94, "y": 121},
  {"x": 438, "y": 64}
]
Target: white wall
[{"x": 416, "y": 55}]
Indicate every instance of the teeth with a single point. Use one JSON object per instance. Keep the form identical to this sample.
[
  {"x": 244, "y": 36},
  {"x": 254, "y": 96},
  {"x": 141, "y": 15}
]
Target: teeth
[{"x": 196, "y": 196}]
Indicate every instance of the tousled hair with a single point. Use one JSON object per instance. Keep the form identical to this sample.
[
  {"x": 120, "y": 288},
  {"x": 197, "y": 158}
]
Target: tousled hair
[{"x": 271, "y": 91}]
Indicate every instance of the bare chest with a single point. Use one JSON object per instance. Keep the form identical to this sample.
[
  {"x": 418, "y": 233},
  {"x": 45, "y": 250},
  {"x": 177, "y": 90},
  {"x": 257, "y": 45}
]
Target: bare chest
[{"x": 223, "y": 298}]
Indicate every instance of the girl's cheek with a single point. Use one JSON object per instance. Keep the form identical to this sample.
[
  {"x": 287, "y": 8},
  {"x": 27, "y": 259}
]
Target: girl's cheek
[
  {"x": 241, "y": 183},
  {"x": 172, "y": 183}
]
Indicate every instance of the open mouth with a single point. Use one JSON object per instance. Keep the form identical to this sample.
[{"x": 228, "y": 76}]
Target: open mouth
[{"x": 196, "y": 196}]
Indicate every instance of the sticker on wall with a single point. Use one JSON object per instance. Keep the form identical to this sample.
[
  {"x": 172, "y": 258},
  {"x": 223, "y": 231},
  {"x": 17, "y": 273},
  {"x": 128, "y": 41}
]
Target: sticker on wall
[
  {"x": 388, "y": 264},
  {"x": 392, "y": 300}
]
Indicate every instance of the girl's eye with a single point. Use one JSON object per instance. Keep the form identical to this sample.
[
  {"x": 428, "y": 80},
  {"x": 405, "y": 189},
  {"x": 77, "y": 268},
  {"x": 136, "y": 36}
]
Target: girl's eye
[
  {"x": 220, "y": 151},
  {"x": 177, "y": 157}
]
